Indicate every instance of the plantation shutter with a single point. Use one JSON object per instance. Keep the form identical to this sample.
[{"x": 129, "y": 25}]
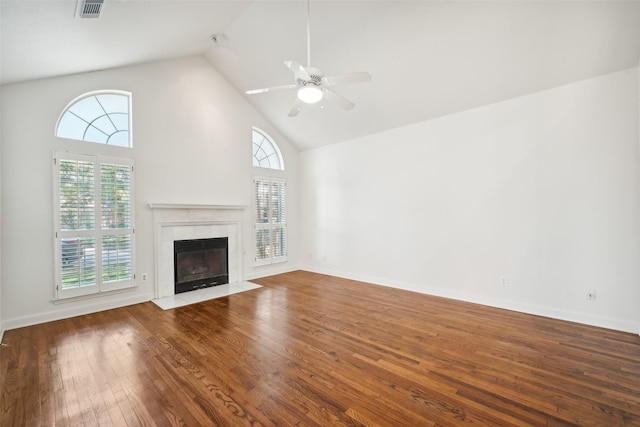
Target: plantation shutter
[
  {"x": 94, "y": 224},
  {"x": 278, "y": 219},
  {"x": 76, "y": 243},
  {"x": 270, "y": 220},
  {"x": 115, "y": 187}
]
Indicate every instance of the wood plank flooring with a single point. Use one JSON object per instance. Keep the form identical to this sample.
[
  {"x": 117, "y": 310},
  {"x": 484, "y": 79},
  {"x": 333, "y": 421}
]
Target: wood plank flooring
[{"x": 314, "y": 350}]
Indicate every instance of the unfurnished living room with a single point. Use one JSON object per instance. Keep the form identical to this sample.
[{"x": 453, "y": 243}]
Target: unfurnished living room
[{"x": 319, "y": 213}]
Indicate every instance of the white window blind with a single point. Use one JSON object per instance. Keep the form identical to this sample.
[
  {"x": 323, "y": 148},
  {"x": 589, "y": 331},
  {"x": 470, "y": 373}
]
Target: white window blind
[
  {"x": 270, "y": 217},
  {"x": 94, "y": 224}
]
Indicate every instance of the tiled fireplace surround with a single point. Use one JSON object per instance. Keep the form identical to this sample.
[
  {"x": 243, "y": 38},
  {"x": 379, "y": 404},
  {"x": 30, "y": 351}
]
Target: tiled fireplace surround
[{"x": 183, "y": 222}]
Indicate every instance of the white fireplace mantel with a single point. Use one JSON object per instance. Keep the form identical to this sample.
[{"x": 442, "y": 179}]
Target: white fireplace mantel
[{"x": 189, "y": 221}]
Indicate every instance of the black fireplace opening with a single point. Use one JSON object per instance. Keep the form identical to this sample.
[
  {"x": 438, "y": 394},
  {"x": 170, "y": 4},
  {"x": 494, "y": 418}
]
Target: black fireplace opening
[{"x": 200, "y": 263}]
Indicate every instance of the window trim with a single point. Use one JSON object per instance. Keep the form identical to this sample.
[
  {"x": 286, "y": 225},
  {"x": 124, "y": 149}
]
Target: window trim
[{"x": 100, "y": 287}]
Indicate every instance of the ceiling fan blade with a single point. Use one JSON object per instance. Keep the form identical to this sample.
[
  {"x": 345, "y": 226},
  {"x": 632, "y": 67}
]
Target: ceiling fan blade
[
  {"x": 339, "y": 79},
  {"x": 295, "y": 109},
  {"x": 269, "y": 89},
  {"x": 298, "y": 70},
  {"x": 338, "y": 99}
]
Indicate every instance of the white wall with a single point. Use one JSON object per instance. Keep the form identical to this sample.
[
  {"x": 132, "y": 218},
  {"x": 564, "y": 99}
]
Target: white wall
[
  {"x": 543, "y": 190},
  {"x": 192, "y": 145},
  {"x": 1, "y": 130}
]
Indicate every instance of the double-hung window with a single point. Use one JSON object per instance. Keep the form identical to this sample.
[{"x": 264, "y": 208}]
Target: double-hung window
[{"x": 94, "y": 224}]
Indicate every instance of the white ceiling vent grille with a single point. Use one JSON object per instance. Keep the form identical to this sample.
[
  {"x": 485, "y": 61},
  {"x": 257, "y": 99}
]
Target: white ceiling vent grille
[{"x": 89, "y": 8}]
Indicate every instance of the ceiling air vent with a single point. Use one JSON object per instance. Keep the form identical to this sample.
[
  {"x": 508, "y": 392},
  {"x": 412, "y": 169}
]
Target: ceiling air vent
[{"x": 89, "y": 8}]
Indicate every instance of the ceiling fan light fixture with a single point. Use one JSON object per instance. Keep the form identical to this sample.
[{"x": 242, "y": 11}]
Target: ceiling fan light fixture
[
  {"x": 311, "y": 83},
  {"x": 310, "y": 94}
]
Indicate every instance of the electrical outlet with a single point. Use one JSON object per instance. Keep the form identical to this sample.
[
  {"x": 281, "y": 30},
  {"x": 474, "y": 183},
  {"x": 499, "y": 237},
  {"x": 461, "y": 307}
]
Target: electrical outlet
[
  {"x": 143, "y": 277},
  {"x": 591, "y": 294},
  {"x": 504, "y": 282}
]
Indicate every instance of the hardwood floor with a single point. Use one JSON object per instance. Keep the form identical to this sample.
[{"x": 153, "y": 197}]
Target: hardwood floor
[{"x": 311, "y": 350}]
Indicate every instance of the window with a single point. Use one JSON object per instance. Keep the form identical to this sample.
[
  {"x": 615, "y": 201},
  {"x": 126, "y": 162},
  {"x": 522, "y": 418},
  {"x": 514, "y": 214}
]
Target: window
[
  {"x": 271, "y": 226},
  {"x": 94, "y": 243},
  {"x": 265, "y": 152},
  {"x": 270, "y": 201},
  {"x": 103, "y": 117}
]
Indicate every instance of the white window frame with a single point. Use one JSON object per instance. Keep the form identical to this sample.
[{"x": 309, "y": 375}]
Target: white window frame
[
  {"x": 270, "y": 224},
  {"x": 98, "y": 232}
]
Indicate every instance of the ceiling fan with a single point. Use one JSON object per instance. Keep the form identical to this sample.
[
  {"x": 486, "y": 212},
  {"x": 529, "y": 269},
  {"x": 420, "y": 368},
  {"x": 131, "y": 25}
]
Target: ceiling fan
[{"x": 311, "y": 82}]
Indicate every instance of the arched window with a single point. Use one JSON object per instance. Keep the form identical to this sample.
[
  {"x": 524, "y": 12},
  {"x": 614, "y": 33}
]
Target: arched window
[
  {"x": 103, "y": 117},
  {"x": 266, "y": 153},
  {"x": 94, "y": 199},
  {"x": 269, "y": 201}
]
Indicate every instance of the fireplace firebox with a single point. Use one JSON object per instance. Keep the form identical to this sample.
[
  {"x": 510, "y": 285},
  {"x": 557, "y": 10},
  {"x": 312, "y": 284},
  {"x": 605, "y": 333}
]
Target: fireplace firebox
[{"x": 200, "y": 263}]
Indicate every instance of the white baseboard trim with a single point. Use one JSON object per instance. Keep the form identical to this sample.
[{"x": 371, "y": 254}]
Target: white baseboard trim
[
  {"x": 76, "y": 310},
  {"x": 583, "y": 318},
  {"x": 95, "y": 305},
  {"x": 270, "y": 270}
]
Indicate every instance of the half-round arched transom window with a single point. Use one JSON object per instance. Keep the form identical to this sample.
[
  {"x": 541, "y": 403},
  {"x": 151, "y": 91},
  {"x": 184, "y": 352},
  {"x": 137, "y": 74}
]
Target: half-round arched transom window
[
  {"x": 103, "y": 117},
  {"x": 266, "y": 153}
]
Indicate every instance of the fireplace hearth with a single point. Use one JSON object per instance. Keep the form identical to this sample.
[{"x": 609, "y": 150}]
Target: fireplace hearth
[{"x": 201, "y": 263}]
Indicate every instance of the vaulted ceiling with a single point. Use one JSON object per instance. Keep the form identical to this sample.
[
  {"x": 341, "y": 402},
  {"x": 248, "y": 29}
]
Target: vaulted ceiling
[{"x": 427, "y": 58}]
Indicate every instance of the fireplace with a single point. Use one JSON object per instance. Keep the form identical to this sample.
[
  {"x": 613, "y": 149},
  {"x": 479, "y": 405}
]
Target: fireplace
[
  {"x": 200, "y": 263},
  {"x": 173, "y": 222}
]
